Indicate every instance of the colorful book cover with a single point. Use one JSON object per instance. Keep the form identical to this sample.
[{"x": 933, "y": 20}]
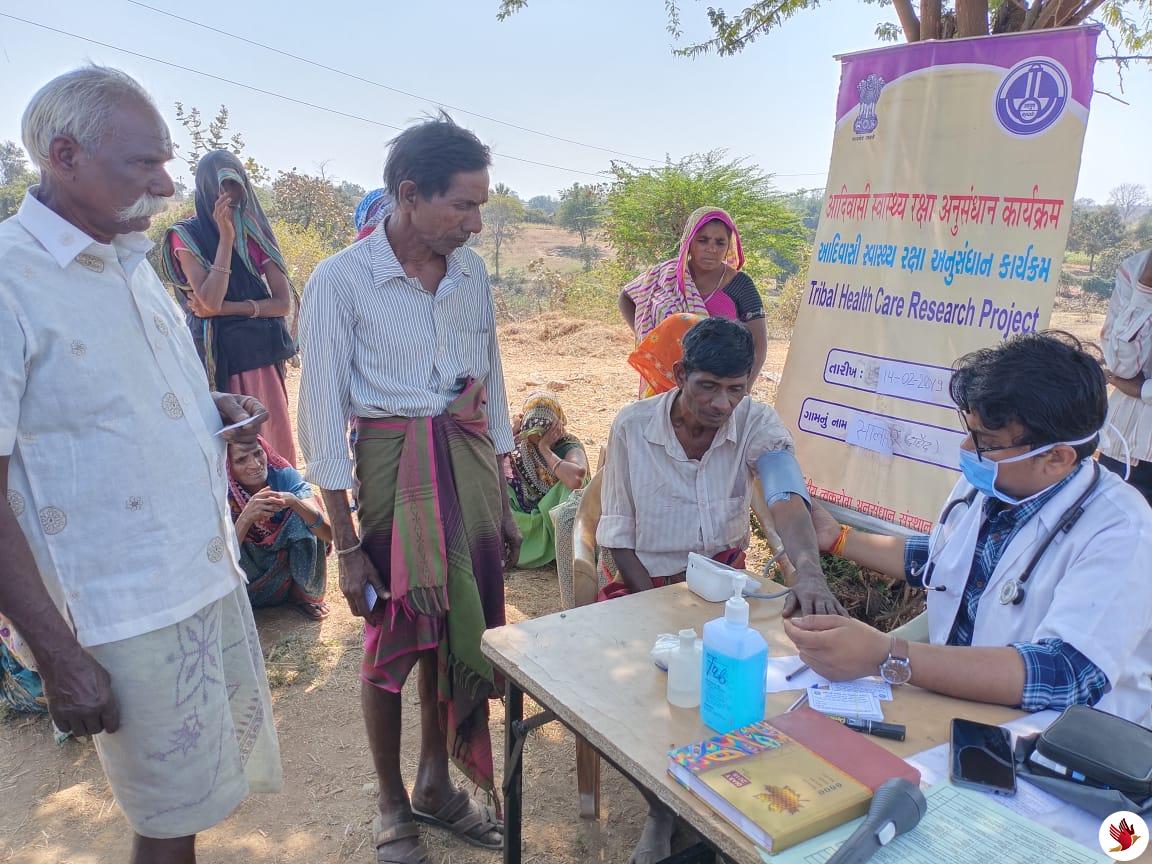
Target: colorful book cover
[{"x": 773, "y": 788}]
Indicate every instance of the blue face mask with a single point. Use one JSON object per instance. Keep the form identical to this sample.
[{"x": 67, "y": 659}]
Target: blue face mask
[{"x": 982, "y": 473}]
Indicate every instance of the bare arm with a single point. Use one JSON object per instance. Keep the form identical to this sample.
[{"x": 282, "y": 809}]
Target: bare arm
[
  {"x": 632, "y": 573},
  {"x": 572, "y": 470},
  {"x": 209, "y": 286},
  {"x": 310, "y": 512},
  {"x": 759, "y": 330},
  {"x": 810, "y": 595},
  {"x": 628, "y": 310},
  {"x": 78, "y": 689},
  {"x": 883, "y": 553},
  {"x": 356, "y": 570}
]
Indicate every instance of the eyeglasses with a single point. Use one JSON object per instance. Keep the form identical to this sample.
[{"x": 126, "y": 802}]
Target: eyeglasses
[{"x": 980, "y": 451}]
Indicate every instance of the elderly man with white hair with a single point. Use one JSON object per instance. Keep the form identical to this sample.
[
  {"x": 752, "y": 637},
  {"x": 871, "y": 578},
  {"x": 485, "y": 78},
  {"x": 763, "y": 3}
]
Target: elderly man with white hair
[{"x": 117, "y": 554}]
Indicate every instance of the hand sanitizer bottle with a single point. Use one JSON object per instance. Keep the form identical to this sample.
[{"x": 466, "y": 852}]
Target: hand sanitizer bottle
[
  {"x": 735, "y": 667},
  {"x": 684, "y": 672}
]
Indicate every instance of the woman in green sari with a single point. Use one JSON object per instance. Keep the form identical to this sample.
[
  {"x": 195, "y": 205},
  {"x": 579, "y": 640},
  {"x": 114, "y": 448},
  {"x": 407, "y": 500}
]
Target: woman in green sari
[{"x": 547, "y": 465}]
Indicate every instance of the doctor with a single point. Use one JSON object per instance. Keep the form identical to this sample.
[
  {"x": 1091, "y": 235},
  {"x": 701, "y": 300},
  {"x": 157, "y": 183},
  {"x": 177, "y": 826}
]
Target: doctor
[{"x": 1037, "y": 574}]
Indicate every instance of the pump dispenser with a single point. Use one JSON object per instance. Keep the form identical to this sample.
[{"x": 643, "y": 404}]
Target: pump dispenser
[{"x": 735, "y": 667}]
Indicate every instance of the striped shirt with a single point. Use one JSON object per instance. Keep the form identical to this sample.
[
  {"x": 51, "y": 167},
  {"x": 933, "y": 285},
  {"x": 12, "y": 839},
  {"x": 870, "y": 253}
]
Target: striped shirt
[
  {"x": 1127, "y": 344},
  {"x": 1056, "y": 675},
  {"x": 375, "y": 344},
  {"x": 663, "y": 505}
]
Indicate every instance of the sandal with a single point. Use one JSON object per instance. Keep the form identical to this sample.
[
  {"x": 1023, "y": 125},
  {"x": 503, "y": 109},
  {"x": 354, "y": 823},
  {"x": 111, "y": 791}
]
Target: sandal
[
  {"x": 382, "y": 837},
  {"x": 471, "y": 821},
  {"x": 313, "y": 611}
]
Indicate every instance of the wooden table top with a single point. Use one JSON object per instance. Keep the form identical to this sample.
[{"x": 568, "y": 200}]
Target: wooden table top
[{"x": 591, "y": 666}]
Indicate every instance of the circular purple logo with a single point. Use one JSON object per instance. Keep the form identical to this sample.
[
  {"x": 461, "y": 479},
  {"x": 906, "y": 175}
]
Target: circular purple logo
[{"x": 1032, "y": 96}]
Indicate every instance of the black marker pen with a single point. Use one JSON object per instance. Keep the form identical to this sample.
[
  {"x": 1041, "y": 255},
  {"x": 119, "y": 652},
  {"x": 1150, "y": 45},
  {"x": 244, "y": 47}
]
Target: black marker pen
[{"x": 893, "y": 731}]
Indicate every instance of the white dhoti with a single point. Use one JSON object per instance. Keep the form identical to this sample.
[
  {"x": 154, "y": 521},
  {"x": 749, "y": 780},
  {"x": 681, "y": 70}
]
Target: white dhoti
[{"x": 196, "y": 733}]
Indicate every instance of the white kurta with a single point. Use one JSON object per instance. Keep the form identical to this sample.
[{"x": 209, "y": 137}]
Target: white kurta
[{"x": 1091, "y": 589}]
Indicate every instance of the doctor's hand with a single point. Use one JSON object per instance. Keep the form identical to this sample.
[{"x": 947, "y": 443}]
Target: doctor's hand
[
  {"x": 838, "y": 648},
  {"x": 826, "y": 526}
]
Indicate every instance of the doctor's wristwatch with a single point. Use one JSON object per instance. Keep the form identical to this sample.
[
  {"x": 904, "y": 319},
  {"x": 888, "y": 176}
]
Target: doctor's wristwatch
[{"x": 896, "y": 669}]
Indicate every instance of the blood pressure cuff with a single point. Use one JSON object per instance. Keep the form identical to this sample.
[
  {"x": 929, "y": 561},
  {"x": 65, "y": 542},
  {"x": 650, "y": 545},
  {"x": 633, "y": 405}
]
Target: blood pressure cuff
[
  {"x": 1106, "y": 761},
  {"x": 780, "y": 475}
]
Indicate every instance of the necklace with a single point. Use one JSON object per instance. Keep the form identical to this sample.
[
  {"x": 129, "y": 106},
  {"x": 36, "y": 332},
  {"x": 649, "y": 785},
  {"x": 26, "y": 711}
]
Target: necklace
[{"x": 723, "y": 273}]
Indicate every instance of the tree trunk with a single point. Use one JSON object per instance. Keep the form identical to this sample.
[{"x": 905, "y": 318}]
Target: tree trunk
[
  {"x": 908, "y": 20},
  {"x": 496, "y": 257},
  {"x": 972, "y": 17},
  {"x": 930, "y": 19}
]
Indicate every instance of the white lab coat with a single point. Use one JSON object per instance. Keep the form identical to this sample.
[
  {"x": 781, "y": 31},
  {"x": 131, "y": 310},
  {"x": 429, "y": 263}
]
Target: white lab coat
[{"x": 1092, "y": 589}]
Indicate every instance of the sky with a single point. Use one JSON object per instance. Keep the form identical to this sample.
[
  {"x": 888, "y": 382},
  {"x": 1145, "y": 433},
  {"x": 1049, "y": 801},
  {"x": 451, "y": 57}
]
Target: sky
[{"x": 600, "y": 72}]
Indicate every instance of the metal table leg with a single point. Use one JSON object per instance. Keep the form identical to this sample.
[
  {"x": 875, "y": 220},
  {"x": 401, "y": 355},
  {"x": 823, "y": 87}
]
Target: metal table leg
[{"x": 513, "y": 774}]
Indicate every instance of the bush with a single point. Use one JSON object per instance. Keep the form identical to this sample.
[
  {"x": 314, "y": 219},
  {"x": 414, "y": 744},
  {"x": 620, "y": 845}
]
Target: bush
[
  {"x": 781, "y": 311},
  {"x": 303, "y": 249},
  {"x": 594, "y": 293},
  {"x": 159, "y": 228},
  {"x": 1098, "y": 287},
  {"x": 537, "y": 217}
]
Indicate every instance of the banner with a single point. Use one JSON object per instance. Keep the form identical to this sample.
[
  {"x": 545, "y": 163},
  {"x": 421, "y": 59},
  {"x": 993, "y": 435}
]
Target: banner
[{"x": 949, "y": 195}]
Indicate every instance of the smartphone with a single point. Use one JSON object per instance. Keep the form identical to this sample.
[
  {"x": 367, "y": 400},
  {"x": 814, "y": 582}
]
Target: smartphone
[{"x": 981, "y": 757}]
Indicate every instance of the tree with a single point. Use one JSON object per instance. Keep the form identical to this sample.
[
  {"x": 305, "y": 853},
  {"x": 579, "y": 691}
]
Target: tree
[
  {"x": 502, "y": 215},
  {"x": 1128, "y": 198},
  {"x": 1129, "y": 23},
  {"x": 647, "y": 208},
  {"x": 581, "y": 210},
  {"x": 543, "y": 203},
  {"x": 15, "y": 177},
  {"x": 1094, "y": 230},
  {"x": 312, "y": 203},
  {"x": 216, "y": 137}
]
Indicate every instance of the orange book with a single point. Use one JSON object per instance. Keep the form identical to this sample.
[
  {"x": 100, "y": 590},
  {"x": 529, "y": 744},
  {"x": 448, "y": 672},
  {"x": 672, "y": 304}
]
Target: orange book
[{"x": 789, "y": 778}]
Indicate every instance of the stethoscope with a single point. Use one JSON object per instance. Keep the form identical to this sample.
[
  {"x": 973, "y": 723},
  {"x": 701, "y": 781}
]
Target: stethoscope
[{"x": 1012, "y": 592}]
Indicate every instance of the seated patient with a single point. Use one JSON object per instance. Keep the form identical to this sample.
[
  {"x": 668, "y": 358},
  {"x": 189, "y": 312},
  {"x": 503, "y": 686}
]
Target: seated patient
[
  {"x": 283, "y": 536},
  {"x": 1073, "y": 631},
  {"x": 677, "y": 480}
]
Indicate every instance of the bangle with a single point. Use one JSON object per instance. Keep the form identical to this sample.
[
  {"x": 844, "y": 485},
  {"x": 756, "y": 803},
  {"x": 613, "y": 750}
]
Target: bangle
[
  {"x": 340, "y": 553},
  {"x": 225, "y": 270},
  {"x": 255, "y": 308},
  {"x": 838, "y": 547},
  {"x": 319, "y": 521}
]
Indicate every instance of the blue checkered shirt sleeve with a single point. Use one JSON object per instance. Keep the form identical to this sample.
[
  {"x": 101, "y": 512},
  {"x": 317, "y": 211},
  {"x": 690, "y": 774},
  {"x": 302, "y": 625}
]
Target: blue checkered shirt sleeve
[
  {"x": 1056, "y": 675},
  {"x": 915, "y": 558}
]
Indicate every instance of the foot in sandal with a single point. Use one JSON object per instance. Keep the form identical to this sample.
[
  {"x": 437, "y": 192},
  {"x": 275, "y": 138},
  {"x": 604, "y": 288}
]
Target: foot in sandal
[
  {"x": 470, "y": 820},
  {"x": 396, "y": 839}
]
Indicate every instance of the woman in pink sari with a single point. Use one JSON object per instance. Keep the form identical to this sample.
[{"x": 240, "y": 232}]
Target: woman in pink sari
[{"x": 705, "y": 279}]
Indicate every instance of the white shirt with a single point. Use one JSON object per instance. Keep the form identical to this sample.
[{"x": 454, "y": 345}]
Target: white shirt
[
  {"x": 1090, "y": 589},
  {"x": 663, "y": 505},
  {"x": 1127, "y": 344},
  {"x": 114, "y": 476},
  {"x": 374, "y": 343}
]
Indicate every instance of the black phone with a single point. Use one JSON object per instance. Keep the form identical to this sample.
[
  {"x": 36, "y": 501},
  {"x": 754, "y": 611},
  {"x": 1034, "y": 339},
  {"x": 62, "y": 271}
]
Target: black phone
[{"x": 981, "y": 757}]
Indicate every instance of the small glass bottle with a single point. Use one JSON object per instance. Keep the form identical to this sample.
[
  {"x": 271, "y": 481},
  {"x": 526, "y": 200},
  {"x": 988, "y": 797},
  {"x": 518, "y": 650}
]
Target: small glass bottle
[{"x": 684, "y": 672}]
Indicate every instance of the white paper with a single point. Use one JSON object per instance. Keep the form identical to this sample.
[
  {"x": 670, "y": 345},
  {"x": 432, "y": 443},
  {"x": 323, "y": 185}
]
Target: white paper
[
  {"x": 780, "y": 667},
  {"x": 961, "y": 827},
  {"x": 845, "y": 703},
  {"x": 914, "y": 381},
  {"x": 870, "y": 432}
]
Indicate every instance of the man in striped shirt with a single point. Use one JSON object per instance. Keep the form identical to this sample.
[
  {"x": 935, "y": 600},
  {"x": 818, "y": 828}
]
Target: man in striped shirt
[{"x": 398, "y": 336}]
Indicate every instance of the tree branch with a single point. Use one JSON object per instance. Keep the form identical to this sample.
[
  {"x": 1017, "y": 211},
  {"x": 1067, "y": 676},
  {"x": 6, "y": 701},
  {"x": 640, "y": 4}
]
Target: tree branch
[
  {"x": 1110, "y": 96},
  {"x": 908, "y": 20},
  {"x": 1126, "y": 58},
  {"x": 1078, "y": 17}
]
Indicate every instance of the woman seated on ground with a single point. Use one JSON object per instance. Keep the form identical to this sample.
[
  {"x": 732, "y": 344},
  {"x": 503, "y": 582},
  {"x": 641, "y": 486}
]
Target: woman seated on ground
[
  {"x": 283, "y": 535},
  {"x": 546, "y": 467},
  {"x": 704, "y": 279}
]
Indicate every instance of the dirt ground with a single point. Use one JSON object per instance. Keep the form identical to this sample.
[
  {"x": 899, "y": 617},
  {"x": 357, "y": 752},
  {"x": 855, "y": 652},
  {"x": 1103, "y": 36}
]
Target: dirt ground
[{"x": 55, "y": 806}]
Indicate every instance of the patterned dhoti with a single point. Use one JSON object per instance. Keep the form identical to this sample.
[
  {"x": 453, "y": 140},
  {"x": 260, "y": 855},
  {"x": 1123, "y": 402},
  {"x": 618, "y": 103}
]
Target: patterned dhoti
[{"x": 196, "y": 733}]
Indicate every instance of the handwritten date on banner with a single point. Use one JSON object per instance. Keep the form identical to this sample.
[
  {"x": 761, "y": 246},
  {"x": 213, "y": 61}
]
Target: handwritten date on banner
[
  {"x": 870, "y": 373},
  {"x": 882, "y": 433}
]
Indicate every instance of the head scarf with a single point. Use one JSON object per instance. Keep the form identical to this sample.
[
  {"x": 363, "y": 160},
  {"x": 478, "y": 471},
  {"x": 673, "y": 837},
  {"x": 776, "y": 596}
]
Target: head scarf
[
  {"x": 540, "y": 411},
  {"x": 251, "y": 223},
  {"x": 371, "y": 211},
  {"x": 660, "y": 350},
  {"x": 262, "y": 533},
  {"x": 668, "y": 288}
]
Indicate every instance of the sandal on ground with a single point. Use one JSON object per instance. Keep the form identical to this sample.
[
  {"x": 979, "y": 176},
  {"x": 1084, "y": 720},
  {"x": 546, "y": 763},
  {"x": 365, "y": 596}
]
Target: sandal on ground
[
  {"x": 313, "y": 611},
  {"x": 469, "y": 820},
  {"x": 383, "y": 837}
]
